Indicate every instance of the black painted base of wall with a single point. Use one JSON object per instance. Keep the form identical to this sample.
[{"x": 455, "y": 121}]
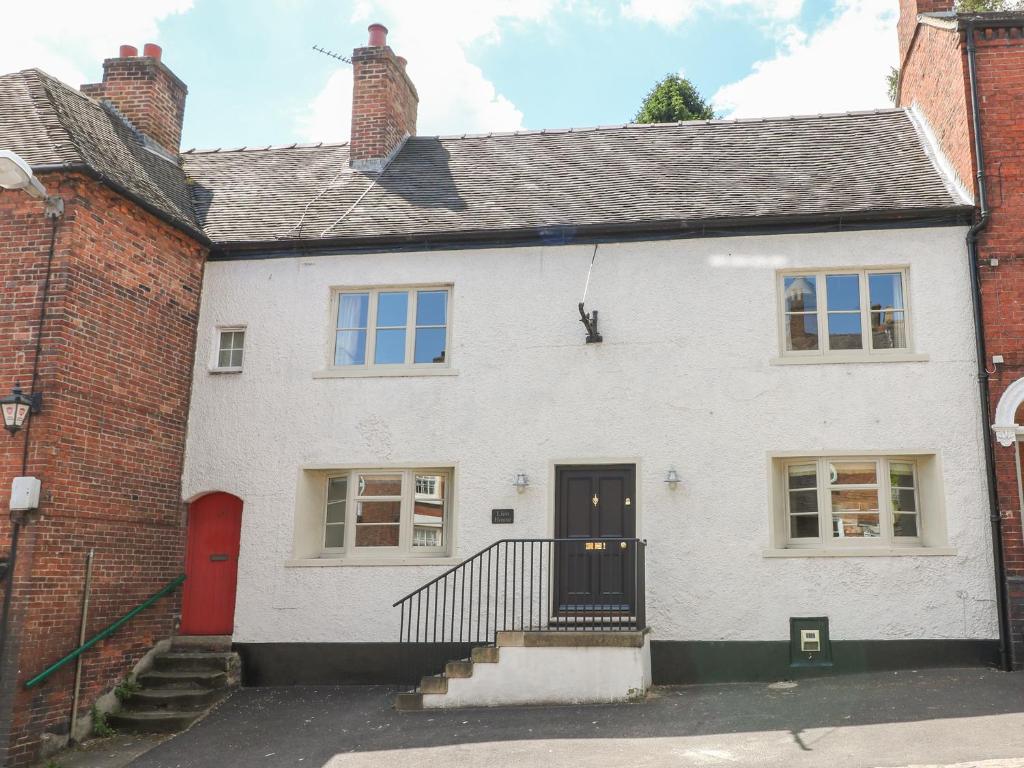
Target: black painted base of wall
[{"x": 672, "y": 661}]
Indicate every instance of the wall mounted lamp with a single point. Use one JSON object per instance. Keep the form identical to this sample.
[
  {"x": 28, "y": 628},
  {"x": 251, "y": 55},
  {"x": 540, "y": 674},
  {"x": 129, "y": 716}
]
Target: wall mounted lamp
[
  {"x": 672, "y": 478},
  {"x": 520, "y": 481},
  {"x": 17, "y": 406}
]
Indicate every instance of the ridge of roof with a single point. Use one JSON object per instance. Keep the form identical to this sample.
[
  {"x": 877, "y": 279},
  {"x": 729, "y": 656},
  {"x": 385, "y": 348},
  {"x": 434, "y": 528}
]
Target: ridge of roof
[{"x": 557, "y": 131}]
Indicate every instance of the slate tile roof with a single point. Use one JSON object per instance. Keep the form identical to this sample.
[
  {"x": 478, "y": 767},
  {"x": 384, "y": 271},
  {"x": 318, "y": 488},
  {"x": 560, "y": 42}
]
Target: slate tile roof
[
  {"x": 619, "y": 176},
  {"x": 49, "y": 123},
  {"x": 667, "y": 177}
]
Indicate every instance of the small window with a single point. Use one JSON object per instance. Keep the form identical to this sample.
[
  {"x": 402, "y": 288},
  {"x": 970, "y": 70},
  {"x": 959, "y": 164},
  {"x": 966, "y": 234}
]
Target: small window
[
  {"x": 375, "y": 512},
  {"x": 836, "y": 502},
  {"x": 230, "y": 349},
  {"x": 844, "y": 313},
  {"x": 392, "y": 328}
]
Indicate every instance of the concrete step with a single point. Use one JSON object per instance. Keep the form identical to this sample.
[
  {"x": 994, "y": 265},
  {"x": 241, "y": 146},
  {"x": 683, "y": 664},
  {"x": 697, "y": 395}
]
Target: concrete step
[
  {"x": 177, "y": 679},
  {"x": 215, "y": 643},
  {"x": 409, "y": 702},
  {"x": 434, "y": 684},
  {"x": 195, "y": 661},
  {"x": 458, "y": 669},
  {"x": 164, "y": 721},
  {"x": 572, "y": 639},
  {"x": 485, "y": 654},
  {"x": 181, "y": 699}
]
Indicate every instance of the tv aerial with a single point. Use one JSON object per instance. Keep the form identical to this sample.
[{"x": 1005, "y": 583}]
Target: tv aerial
[{"x": 332, "y": 54}]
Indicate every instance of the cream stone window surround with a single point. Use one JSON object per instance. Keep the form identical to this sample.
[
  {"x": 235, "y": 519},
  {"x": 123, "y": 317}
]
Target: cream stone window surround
[
  {"x": 308, "y": 537},
  {"x": 932, "y": 539},
  {"x": 825, "y": 356},
  {"x": 369, "y": 369}
]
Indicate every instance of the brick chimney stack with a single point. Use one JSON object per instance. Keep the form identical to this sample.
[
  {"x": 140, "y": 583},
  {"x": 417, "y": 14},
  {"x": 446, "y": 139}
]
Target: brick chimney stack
[
  {"x": 909, "y": 11},
  {"x": 384, "y": 103},
  {"x": 146, "y": 92}
]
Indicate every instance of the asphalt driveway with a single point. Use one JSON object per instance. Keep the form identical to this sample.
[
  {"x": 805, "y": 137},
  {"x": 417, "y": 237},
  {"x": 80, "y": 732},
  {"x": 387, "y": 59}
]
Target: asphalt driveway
[{"x": 932, "y": 717}]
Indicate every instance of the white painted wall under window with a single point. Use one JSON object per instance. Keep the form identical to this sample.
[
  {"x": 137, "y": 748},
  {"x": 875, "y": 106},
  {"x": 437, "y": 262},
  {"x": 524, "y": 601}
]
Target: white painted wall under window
[{"x": 683, "y": 379}]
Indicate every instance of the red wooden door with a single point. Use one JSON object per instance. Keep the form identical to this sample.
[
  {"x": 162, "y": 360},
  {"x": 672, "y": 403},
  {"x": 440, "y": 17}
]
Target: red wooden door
[{"x": 211, "y": 565}]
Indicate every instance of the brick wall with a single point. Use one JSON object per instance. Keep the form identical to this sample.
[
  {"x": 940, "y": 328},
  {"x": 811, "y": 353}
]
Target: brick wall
[
  {"x": 935, "y": 78},
  {"x": 108, "y": 446},
  {"x": 384, "y": 104}
]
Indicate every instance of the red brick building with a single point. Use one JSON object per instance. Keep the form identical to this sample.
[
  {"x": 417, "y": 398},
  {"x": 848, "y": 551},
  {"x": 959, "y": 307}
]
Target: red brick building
[
  {"x": 111, "y": 353},
  {"x": 965, "y": 75}
]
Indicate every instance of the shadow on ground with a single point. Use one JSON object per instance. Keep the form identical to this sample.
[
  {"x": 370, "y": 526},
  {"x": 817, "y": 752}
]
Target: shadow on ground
[{"x": 310, "y": 726}]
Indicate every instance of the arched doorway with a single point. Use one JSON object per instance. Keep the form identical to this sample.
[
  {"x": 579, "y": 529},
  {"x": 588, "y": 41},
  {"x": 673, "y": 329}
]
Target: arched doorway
[{"x": 211, "y": 565}]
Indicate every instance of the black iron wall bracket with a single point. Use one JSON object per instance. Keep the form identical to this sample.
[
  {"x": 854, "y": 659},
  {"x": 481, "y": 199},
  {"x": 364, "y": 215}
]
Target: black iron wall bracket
[{"x": 590, "y": 323}]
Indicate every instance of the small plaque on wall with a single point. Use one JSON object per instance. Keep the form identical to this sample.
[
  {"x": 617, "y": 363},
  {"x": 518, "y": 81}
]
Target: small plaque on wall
[{"x": 502, "y": 516}]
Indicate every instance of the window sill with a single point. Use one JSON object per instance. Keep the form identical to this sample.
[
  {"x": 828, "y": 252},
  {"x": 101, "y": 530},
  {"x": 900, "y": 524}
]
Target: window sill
[
  {"x": 374, "y": 373},
  {"x": 862, "y": 552},
  {"x": 341, "y": 562},
  {"x": 224, "y": 370},
  {"x": 901, "y": 357}
]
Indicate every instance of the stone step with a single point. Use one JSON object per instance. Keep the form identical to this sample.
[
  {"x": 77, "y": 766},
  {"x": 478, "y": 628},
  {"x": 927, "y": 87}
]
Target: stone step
[
  {"x": 485, "y": 654},
  {"x": 434, "y": 684},
  {"x": 178, "y": 679},
  {"x": 572, "y": 639},
  {"x": 164, "y": 721},
  {"x": 215, "y": 643},
  {"x": 181, "y": 699},
  {"x": 458, "y": 669},
  {"x": 409, "y": 702},
  {"x": 197, "y": 661}
]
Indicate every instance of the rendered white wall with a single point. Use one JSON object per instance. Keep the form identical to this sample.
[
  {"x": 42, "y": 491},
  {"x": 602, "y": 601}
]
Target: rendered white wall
[{"x": 682, "y": 379}]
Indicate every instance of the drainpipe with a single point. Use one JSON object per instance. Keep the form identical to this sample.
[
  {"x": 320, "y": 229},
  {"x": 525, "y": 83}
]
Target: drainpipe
[{"x": 995, "y": 519}]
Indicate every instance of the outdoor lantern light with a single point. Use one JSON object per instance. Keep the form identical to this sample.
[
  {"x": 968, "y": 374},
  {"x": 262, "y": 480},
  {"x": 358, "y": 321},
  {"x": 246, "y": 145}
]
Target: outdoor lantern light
[
  {"x": 672, "y": 478},
  {"x": 520, "y": 481},
  {"x": 16, "y": 408},
  {"x": 15, "y": 173}
]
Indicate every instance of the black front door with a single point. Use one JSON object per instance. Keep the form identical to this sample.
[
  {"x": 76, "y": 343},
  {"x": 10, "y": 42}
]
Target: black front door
[{"x": 595, "y": 571}]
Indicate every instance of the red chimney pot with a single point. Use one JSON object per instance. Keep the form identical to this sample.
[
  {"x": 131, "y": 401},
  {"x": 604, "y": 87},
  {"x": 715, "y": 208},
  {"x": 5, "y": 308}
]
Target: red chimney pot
[
  {"x": 152, "y": 50},
  {"x": 378, "y": 35},
  {"x": 127, "y": 51}
]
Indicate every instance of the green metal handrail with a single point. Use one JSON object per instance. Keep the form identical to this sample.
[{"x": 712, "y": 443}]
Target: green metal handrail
[{"x": 170, "y": 587}]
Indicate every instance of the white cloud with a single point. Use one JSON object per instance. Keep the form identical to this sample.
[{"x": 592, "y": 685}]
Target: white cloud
[
  {"x": 837, "y": 68},
  {"x": 70, "y": 38},
  {"x": 671, "y": 13},
  {"x": 455, "y": 95}
]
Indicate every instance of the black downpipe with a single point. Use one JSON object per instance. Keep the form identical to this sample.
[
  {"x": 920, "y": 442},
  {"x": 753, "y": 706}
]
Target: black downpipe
[
  {"x": 995, "y": 518},
  {"x": 16, "y": 524}
]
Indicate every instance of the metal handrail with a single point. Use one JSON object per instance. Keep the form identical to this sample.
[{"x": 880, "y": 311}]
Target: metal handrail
[{"x": 107, "y": 632}]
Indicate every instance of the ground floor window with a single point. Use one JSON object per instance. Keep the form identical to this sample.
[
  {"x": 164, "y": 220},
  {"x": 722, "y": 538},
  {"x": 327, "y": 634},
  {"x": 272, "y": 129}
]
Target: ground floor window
[{"x": 383, "y": 511}]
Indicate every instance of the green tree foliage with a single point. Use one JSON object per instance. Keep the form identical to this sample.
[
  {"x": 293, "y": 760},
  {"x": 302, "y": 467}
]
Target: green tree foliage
[
  {"x": 674, "y": 99},
  {"x": 892, "y": 81}
]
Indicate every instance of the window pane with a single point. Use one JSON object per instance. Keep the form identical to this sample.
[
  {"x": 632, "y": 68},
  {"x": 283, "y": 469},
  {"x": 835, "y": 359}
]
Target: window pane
[
  {"x": 392, "y": 309},
  {"x": 854, "y": 525},
  {"x": 334, "y": 536},
  {"x": 801, "y": 332},
  {"x": 903, "y": 500},
  {"x": 390, "y": 347},
  {"x": 224, "y": 359},
  {"x": 853, "y": 473},
  {"x": 803, "y": 476},
  {"x": 380, "y": 485},
  {"x": 337, "y": 492},
  {"x": 378, "y": 512},
  {"x": 803, "y": 501},
  {"x": 350, "y": 348},
  {"x": 844, "y": 331},
  {"x": 904, "y": 525},
  {"x": 428, "y": 514},
  {"x": 376, "y": 535},
  {"x": 855, "y": 500},
  {"x": 803, "y": 526},
  {"x": 352, "y": 310},
  {"x": 888, "y": 330},
  {"x": 431, "y": 307},
  {"x": 843, "y": 292},
  {"x": 901, "y": 474},
  {"x": 886, "y": 291},
  {"x": 235, "y": 356},
  {"x": 430, "y": 344},
  {"x": 801, "y": 293}
]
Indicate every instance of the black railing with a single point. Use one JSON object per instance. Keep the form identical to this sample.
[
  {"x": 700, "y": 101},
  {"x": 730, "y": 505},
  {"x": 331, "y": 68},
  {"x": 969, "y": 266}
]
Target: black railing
[{"x": 529, "y": 585}]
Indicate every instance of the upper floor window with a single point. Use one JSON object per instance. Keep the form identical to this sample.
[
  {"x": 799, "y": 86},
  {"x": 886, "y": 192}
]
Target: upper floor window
[
  {"x": 392, "y": 327},
  {"x": 845, "y": 312},
  {"x": 230, "y": 348}
]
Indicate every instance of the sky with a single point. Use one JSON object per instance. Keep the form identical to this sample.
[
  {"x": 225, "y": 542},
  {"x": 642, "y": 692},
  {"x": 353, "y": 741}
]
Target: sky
[{"x": 479, "y": 65}]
